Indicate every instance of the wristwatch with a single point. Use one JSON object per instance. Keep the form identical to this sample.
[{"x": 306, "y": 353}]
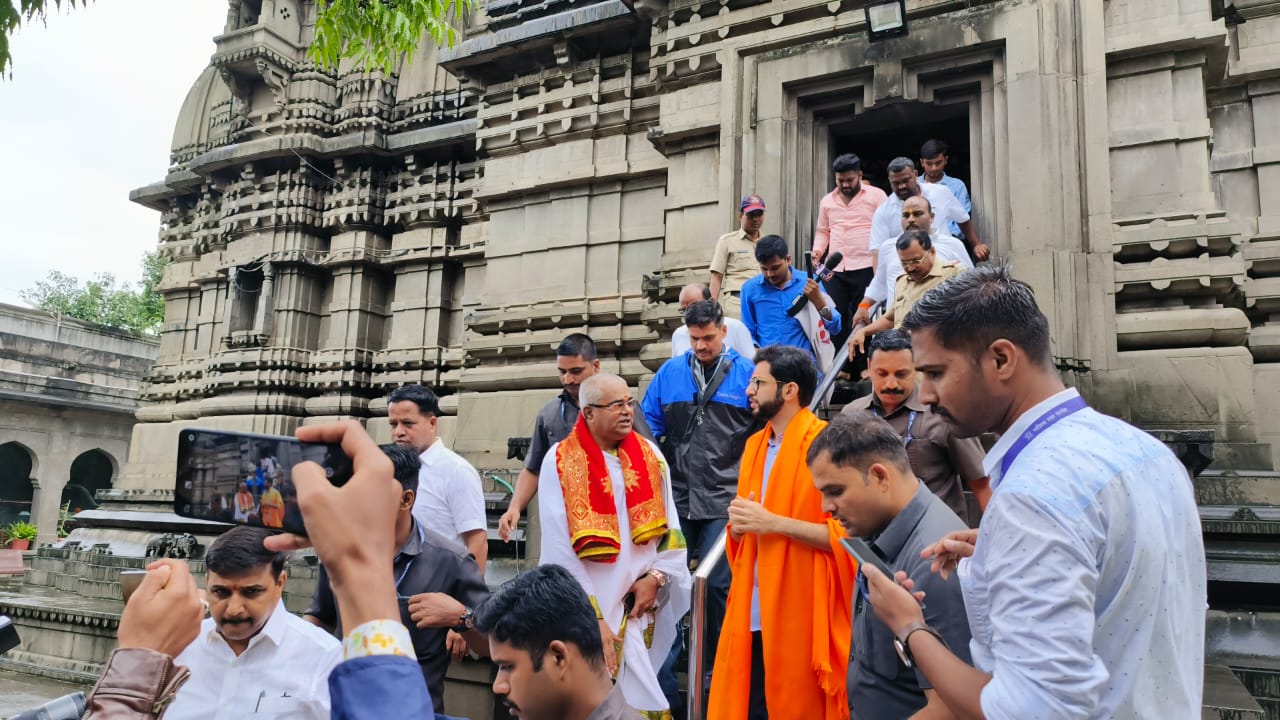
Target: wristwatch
[
  {"x": 466, "y": 622},
  {"x": 658, "y": 575},
  {"x": 902, "y": 643},
  {"x": 825, "y": 312}
]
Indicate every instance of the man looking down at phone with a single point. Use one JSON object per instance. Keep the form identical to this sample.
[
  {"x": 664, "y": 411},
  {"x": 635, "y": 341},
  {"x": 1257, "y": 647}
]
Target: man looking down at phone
[
  {"x": 252, "y": 655},
  {"x": 1085, "y": 582},
  {"x": 545, "y": 641},
  {"x": 861, "y": 468},
  {"x": 438, "y": 587},
  {"x": 450, "y": 497},
  {"x": 609, "y": 518},
  {"x": 784, "y": 643}
]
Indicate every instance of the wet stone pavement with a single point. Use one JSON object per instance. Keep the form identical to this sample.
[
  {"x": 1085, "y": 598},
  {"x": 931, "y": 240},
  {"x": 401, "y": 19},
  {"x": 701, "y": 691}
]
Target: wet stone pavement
[{"x": 20, "y": 692}]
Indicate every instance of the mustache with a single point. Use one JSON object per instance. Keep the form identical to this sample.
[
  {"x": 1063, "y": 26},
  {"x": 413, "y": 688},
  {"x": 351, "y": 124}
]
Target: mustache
[
  {"x": 940, "y": 411},
  {"x": 897, "y": 391},
  {"x": 239, "y": 621}
]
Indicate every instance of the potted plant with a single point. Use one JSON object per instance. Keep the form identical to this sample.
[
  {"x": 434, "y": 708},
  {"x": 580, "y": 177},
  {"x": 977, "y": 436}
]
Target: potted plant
[{"x": 21, "y": 534}]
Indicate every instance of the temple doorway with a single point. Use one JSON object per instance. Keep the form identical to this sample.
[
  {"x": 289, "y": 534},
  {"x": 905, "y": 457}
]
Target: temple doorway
[{"x": 883, "y": 133}]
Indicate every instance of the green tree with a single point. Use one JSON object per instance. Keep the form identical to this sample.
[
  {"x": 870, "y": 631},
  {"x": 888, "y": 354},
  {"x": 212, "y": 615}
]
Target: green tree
[
  {"x": 104, "y": 300},
  {"x": 373, "y": 33}
]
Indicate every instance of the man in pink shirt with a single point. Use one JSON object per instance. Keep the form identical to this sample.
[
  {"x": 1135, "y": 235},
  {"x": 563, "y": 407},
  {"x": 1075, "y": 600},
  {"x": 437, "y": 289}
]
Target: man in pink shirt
[{"x": 844, "y": 225}]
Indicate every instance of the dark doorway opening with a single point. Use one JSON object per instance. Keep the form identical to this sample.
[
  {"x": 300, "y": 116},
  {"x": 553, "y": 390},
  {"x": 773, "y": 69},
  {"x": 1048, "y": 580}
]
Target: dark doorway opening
[
  {"x": 881, "y": 134},
  {"x": 16, "y": 490},
  {"x": 90, "y": 472}
]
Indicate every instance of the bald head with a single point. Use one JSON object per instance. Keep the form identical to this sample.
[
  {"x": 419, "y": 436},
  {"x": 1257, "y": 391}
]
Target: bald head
[
  {"x": 607, "y": 409},
  {"x": 692, "y": 293},
  {"x": 917, "y": 213}
]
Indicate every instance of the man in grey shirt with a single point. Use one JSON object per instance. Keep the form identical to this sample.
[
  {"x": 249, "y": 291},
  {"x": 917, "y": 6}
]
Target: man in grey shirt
[
  {"x": 860, "y": 466},
  {"x": 545, "y": 640}
]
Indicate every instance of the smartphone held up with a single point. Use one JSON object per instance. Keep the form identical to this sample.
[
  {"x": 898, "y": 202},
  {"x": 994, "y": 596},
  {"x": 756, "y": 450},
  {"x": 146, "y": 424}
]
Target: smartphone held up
[{"x": 246, "y": 478}]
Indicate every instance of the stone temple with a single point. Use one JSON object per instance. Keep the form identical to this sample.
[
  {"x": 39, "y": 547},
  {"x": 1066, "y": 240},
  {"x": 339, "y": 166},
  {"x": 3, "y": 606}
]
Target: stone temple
[{"x": 567, "y": 165}]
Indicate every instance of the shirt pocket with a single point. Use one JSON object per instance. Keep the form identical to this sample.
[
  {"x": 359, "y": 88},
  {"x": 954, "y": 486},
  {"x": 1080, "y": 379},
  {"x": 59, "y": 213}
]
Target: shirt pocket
[{"x": 280, "y": 706}]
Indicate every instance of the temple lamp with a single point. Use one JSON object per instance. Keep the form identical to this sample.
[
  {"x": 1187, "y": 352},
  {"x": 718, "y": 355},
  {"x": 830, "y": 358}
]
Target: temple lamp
[{"x": 886, "y": 19}]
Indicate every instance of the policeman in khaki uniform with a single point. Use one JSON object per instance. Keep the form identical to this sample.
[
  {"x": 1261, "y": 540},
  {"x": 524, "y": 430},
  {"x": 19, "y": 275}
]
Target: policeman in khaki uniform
[
  {"x": 734, "y": 260},
  {"x": 921, "y": 273}
]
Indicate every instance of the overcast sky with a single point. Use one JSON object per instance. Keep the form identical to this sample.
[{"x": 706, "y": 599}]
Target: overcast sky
[{"x": 88, "y": 116}]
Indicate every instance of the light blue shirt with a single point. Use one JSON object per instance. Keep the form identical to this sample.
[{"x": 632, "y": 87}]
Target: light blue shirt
[
  {"x": 957, "y": 188},
  {"x": 770, "y": 454},
  {"x": 1086, "y": 590}
]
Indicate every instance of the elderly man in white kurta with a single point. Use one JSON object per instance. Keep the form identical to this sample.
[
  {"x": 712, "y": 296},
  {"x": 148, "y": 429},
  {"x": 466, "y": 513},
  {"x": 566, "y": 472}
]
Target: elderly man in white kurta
[{"x": 608, "y": 517}]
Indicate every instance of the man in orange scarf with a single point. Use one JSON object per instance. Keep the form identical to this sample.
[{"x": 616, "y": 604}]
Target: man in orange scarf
[
  {"x": 784, "y": 647},
  {"x": 608, "y": 517}
]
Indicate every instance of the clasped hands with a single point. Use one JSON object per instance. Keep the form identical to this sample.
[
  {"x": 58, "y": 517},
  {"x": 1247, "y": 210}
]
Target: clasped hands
[{"x": 748, "y": 516}]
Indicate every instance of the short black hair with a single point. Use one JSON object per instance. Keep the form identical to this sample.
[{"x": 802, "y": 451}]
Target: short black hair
[
  {"x": 888, "y": 341},
  {"x": 240, "y": 550},
  {"x": 770, "y": 247},
  {"x": 577, "y": 345},
  {"x": 539, "y": 606},
  {"x": 846, "y": 163},
  {"x": 979, "y": 306},
  {"x": 914, "y": 236},
  {"x": 899, "y": 164},
  {"x": 405, "y": 464},
  {"x": 704, "y": 312},
  {"x": 427, "y": 402},
  {"x": 858, "y": 439},
  {"x": 788, "y": 363},
  {"x": 933, "y": 148}
]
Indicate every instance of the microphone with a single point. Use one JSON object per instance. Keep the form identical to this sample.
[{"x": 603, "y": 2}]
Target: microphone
[{"x": 824, "y": 273}]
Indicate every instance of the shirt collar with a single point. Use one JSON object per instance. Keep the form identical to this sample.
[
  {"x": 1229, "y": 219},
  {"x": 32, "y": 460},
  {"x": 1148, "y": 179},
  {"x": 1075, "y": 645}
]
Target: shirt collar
[
  {"x": 893, "y": 538},
  {"x": 614, "y": 705},
  {"x": 991, "y": 463},
  {"x": 413, "y": 546},
  {"x": 796, "y": 277},
  {"x": 566, "y": 398},
  {"x": 425, "y": 454}
]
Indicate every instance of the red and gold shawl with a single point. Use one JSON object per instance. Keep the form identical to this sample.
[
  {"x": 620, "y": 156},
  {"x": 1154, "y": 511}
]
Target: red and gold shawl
[{"x": 588, "y": 493}]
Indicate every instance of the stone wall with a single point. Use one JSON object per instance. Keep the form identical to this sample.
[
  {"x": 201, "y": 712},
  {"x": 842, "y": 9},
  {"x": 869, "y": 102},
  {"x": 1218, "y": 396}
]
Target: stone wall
[{"x": 66, "y": 388}]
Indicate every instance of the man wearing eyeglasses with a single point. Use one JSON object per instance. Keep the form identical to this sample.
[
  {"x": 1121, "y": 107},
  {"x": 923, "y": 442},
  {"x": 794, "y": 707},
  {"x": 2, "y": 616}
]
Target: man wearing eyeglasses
[
  {"x": 861, "y": 469},
  {"x": 784, "y": 643},
  {"x": 921, "y": 273},
  {"x": 942, "y": 460},
  {"x": 608, "y": 517}
]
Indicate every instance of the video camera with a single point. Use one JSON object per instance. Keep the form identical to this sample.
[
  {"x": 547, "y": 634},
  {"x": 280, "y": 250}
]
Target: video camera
[{"x": 67, "y": 707}]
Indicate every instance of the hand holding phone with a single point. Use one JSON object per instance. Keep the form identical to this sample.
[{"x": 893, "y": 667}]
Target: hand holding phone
[{"x": 863, "y": 553}]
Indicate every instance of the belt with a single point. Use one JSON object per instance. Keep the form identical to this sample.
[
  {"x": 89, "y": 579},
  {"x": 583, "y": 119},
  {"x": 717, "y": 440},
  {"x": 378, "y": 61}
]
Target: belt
[{"x": 734, "y": 293}]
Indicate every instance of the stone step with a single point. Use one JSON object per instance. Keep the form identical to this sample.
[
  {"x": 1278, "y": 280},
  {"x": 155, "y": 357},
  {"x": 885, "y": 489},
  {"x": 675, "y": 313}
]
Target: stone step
[
  {"x": 1225, "y": 697},
  {"x": 1243, "y": 560},
  {"x": 1239, "y": 503}
]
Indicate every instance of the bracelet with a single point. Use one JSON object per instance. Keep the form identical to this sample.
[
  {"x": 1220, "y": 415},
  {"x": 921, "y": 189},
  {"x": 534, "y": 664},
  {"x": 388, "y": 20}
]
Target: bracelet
[
  {"x": 378, "y": 637},
  {"x": 865, "y": 304}
]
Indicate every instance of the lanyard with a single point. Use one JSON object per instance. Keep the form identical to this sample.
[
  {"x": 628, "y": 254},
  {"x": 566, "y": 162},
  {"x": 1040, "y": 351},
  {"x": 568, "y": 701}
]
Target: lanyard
[
  {"x": 700, "y": 379},
  {"x": 422, "y": 538},
  {"x": 1067, "y": 407},
  {"x": 911, "y": 421}
]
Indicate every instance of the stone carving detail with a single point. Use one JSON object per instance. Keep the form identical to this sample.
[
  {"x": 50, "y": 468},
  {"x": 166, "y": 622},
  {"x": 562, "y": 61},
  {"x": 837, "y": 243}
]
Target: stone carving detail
[{"x": 173, "y": 545}]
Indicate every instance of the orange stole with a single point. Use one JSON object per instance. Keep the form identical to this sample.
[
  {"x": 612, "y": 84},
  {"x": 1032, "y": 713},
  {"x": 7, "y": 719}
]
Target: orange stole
[
  {"x": 805, "y": 596},
  {"x": 588, "y": 493}
]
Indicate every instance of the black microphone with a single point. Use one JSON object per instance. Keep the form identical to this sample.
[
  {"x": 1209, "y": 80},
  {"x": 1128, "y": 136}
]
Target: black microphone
[{"x": 823, "y": 274}]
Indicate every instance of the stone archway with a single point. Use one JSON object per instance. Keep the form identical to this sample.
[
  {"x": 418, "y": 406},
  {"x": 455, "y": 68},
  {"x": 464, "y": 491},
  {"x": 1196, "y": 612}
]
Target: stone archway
[
  {"x": 17, "y": 466},
  {"x": 91, "y": 471}
]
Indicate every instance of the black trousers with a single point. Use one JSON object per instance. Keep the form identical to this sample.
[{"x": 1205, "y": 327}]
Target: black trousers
[
  {"x": 758, "y": 708},
  {"x": 847, "y": 288}
]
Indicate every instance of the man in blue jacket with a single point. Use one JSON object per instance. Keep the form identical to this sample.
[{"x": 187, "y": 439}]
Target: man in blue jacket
[{"x": 697, "y": 406}]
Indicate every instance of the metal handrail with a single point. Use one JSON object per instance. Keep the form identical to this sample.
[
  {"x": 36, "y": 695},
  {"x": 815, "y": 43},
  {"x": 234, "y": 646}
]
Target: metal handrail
[{"x": 712, "y": 560}]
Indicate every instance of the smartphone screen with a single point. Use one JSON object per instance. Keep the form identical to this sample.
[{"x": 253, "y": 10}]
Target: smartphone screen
[
  {"x": 863, "y": 553},
  {"x": 244, "y": 478}
]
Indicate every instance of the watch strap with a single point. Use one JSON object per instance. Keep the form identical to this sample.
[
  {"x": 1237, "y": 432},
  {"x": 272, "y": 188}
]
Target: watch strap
[{"x": 905, "y": 638}]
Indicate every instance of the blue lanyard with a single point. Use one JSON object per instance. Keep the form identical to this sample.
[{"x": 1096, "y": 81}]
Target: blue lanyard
[
  {"x": 911, "y": 421},
  {"x": 422, "y": 537},
  {"x": 1066, "y": 408}
]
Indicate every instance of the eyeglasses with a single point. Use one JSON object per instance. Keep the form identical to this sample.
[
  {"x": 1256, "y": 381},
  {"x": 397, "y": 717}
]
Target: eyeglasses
[
  {"x": 616, "y": 405},
  {"x": 756, "y": 382},
  {"x": 914, "y": 262}
]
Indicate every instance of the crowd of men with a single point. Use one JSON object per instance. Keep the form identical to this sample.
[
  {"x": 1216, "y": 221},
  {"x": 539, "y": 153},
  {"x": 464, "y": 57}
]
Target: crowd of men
[{"x": 1068, "y": 582}]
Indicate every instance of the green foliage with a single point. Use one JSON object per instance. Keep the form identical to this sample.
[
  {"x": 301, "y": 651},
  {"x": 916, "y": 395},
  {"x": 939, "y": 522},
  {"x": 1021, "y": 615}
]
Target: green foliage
[
  {"x": 64, "y": 517},
  {"x": 14, "y": 14},
  {"x": 19, "y": 530},
  {"x": 104, "y": 300},
  {"x": 376, "y": 33}
]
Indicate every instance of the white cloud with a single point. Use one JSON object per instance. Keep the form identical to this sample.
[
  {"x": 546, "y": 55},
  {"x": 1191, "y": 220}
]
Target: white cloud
[{"x": 87, "y": 117}]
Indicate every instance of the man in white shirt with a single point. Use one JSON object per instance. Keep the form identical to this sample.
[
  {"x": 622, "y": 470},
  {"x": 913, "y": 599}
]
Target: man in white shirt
[
  {"x": 252, "y": 656},
  {"x": 917, "y": 214},
  {"x": 886, "y": 223},
  {"x": 450, "y": 495},
  {"x": 1085, "y": 581},
  {"x": 739, "y": 337}
]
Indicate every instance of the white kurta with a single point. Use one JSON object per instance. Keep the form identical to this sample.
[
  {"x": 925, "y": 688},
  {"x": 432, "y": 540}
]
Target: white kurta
[{"x": 609, "y": 583}]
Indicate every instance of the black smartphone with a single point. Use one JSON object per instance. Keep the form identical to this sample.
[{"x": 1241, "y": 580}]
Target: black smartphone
[
  {"x": 863, "y": 553},
  {"x": 245, "y": 478},
  {"x": 8, "y": 635}
]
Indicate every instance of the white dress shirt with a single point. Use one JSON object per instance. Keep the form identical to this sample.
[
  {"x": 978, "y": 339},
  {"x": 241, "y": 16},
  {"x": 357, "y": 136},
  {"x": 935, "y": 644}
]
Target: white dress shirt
[
  {"x": 739, "y": 338},
  {"x": 886, "y": 224},
  {"x": 284, "y": 673},
  {"x": 948, "y": 249},
  {"x": 1086, "y": 590},
  {"x": 450, "y": 497}
]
